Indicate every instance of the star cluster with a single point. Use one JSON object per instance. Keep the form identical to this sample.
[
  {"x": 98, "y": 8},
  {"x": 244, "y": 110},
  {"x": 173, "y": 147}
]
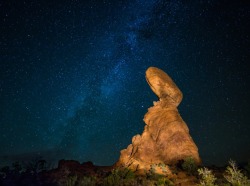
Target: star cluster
[{"x": 73, "y": 75}]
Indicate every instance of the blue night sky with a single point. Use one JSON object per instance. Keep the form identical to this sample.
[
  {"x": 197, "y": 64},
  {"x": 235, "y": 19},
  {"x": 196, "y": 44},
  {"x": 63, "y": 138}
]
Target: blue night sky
[{"x": 72, "y": 75}]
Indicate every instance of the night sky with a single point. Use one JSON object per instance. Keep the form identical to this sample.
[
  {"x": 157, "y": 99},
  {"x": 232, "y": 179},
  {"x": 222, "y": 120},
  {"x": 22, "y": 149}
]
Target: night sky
[{"x": 72, "y": 75}]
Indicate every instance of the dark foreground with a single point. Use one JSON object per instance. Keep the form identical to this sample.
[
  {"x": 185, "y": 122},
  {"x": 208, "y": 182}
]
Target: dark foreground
[{"x": 72, "y": 173}]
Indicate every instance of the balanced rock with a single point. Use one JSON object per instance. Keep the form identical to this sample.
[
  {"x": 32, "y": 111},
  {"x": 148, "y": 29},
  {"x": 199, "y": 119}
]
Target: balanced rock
[{"x": 165, "y": 139}]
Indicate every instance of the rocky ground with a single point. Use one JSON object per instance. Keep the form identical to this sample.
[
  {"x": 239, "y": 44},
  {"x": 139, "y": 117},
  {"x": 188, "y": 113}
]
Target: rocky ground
[{"x": 73, "y": 173}]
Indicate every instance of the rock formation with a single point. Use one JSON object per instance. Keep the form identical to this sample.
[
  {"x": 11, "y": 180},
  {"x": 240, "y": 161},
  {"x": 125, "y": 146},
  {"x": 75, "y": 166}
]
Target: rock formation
[{"x": 165, "y": 139}]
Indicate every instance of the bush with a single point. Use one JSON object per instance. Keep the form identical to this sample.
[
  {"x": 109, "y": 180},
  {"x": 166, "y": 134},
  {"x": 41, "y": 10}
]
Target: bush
[
  {"x": 34, "y": 166},
  {"x": 154, "y": 176},
  {"x": 164, "y": 182},
  {"x": 234, "y": 176},
  {"x": 17, "y": 167},
  {"x": 189, "y": 165},
  {"x": 87, "y": 181},
  {"x": 207, "y": 177},
  {"x": 71, "y": 181},
  {"x": 247, "y": 167},
  {"x": 119, "y": 177}
]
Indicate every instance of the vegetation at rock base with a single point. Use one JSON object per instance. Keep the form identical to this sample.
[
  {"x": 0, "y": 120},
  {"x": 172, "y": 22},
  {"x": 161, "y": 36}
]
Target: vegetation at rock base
[
  {"x": 88, "y": 181},
  {"x": 247, "y": 168},
  {"x": 71, "y": 181},
  {"x": 189, "y": 165},
  {"x": 235, "y": 176},
  {"x": 164, "y": 181},
  {"x": 207, "y": 177},
  {"x": 117, "y": 176},
  {"x": 36, "y": 173},
  {"x": 158, "y": 179}
]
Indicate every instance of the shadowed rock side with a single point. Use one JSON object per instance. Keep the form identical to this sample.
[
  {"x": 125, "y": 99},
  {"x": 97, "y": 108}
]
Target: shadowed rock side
[{"x": 165, "y": 139}]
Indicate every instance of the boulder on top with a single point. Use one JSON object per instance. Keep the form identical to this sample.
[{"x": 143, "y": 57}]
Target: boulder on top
[
  {"x": 163, "y": 86},
  {"x": 165, "y": 139}
]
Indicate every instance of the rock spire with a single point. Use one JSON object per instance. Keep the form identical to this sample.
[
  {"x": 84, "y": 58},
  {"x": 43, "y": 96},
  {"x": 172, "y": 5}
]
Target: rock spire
[{"x": 165, "y": 139}]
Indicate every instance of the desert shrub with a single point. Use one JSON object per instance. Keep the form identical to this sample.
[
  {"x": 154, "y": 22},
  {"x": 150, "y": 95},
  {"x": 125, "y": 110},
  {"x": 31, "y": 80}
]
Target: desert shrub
[
  {"x": 158, "y": 179},
  {"x": 189, "y": 165},
  {"x": 127, "y": 174},
  {"x": 164, "y": 182},
  {"x": 146, "y": 182},
  {"x": 119, "y": 177},
  {"x": 17, "y": 167},
  {"x": 247, "y": 167},
  {"x": 71, "y": 180},
  {"x": 151, "y": 174},
  {"x": 207, "y": 177},
  {"x": 155, "y": 176},
  {"x": 87, "y": 181},
  {"x": 234, "y": 176},
  {"x": 5, "y": 169},
  {"x": 35, "y": 166},
  {"x": 154, "y": 168},
  {"x": 163, "y": 167}
]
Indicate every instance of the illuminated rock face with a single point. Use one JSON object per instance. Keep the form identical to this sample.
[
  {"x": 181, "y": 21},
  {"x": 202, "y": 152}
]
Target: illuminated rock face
[{"x": 165, "y": 139}]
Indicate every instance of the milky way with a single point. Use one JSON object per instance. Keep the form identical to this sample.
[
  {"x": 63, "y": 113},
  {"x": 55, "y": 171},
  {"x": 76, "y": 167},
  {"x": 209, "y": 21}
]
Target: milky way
[{"x": 73, "y": 75}]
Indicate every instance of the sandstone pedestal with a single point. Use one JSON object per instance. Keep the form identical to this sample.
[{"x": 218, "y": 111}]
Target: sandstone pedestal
[{"x": 165, "y": 139}]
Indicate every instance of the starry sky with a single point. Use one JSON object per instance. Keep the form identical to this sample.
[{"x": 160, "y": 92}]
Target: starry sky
[{"x": 72, "y": 75}]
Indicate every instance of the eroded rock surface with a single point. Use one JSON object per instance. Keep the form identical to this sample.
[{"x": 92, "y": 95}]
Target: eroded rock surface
[{"x": 165, "y": 139}]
